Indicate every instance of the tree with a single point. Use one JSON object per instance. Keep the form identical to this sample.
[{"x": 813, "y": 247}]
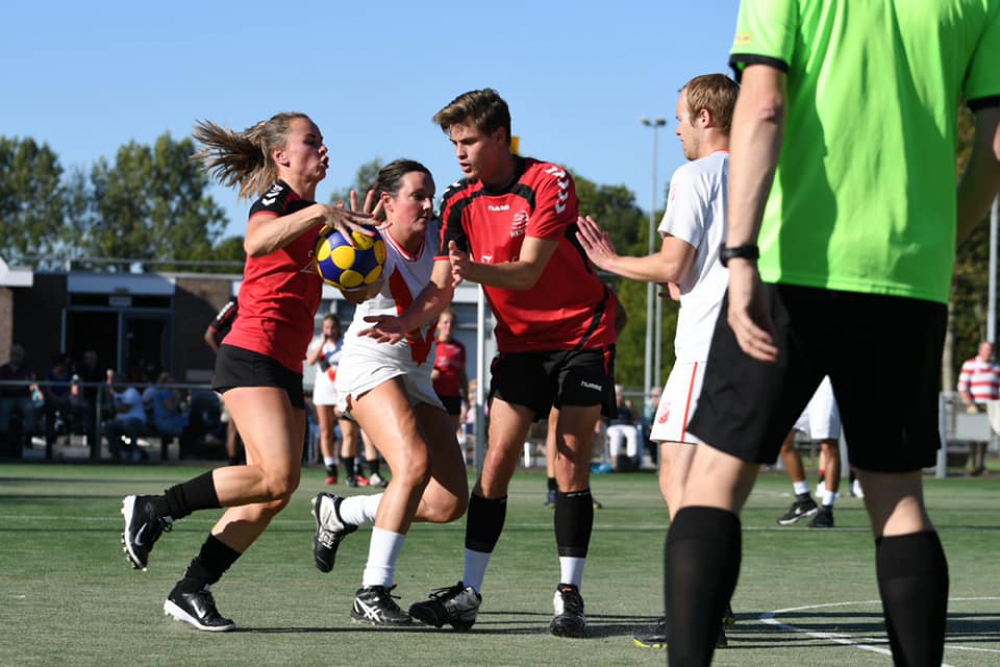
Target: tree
[
  {"x": 151, "y": 204},
  {"x": 30, "y": 201},
  {"x": 364, "y": 179},
  {"x": 969, "y": 290}
]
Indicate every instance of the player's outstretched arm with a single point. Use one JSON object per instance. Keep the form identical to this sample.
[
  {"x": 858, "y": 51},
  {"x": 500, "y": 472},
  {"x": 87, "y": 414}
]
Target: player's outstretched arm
[
  {"x": 521, "y": 274},
  {"x": 981, "y": 179},
  {"x": 669, "y": 265}
]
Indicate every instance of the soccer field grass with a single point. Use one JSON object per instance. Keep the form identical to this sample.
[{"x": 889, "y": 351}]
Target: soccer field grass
[{"x": 805, "y": 597}]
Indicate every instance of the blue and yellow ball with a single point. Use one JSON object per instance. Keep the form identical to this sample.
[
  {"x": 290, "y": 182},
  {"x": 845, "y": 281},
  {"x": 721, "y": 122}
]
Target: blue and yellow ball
[{"x": 347, "y": 267}]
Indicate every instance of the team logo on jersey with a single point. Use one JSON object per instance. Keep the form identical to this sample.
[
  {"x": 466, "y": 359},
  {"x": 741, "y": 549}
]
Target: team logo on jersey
[
  {"x": 519, "y": 224},
  {"x": 487, "y": 259},
  {"x": 272, "y": 195},
  {"x": 664, "y": 413}
]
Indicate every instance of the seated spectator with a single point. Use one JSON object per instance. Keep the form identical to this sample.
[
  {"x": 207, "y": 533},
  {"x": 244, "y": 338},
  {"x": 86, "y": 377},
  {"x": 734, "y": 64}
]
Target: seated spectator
[
  {"x": 129, "y": 422},
  {"x": 622, "y": 430},
  {"x": 169, "y": 417},
  {"x": 92, "y": 397},
  {"x": 62, "y": 409},
  {"x": 20, "y": 403}
]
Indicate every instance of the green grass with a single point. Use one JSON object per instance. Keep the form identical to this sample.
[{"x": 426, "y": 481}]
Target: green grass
[{"x": 67, "y": 596}]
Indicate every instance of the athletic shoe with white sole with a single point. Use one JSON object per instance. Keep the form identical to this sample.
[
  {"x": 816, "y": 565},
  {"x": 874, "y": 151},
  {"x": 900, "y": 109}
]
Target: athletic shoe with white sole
[
  {"x": 330, "y": 530},
  {"x": 804, "y": 506},
  {"x": 378, "y": 480},
  {"x": 197, "y": 610},
  {"x": 456, "y": 605},
  {"x": 569, "y": 620},
  {"x": 823, "y": 518},
  {"x": 376, "y": 606},
  {"x": 143, "y": 526}
]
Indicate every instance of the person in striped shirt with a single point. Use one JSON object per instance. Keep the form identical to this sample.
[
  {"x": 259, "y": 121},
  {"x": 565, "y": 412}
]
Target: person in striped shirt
[{"x": 978, "y": 382}]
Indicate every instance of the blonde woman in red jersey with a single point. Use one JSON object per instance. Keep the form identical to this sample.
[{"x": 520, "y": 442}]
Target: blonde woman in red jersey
[{"x": 259, "y": 366}]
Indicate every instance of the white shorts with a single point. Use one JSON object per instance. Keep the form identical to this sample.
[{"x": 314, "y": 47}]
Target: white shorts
[
  {"x": 324, "y": 389},
  {"x": 359, "y": 373},
  {"x": 677, "y": 404},
  {"x": 821, "y": 418}
]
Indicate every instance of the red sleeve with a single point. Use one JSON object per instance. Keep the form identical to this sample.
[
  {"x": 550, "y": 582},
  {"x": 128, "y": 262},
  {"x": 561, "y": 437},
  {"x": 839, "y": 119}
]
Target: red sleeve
[{"x": 556, "y": 205}]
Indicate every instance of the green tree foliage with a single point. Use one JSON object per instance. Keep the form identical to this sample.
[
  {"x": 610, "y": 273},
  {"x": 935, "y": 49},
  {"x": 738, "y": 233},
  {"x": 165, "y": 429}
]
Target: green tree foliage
[
  {"x": 615, "y": 209},
  {"x": 970, "y": 287},
  {"x": 30, "y": 201},
  {"x": 364, "y": 179},
  {"x": 152, "y": 203}
]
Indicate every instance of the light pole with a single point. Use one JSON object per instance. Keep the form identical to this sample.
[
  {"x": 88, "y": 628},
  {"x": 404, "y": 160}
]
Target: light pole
[{"x": 652, "y": 321}]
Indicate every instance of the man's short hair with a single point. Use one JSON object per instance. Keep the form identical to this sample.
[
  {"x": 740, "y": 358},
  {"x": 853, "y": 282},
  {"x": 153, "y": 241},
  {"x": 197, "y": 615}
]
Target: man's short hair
[
  {"x": 715, "y": 92},
  {"x": 483, "y": 109}
]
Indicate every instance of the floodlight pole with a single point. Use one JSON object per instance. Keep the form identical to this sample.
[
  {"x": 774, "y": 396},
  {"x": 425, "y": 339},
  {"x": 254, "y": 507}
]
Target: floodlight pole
[{"x": 652, "y": 365}]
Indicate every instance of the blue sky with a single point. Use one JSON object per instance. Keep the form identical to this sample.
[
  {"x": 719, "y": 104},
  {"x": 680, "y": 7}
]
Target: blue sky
[{"x": 88, "y": 78}]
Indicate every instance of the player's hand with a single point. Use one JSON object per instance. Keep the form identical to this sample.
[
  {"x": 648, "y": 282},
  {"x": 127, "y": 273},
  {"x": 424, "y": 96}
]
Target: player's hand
[
  {"x": 749, "y": 311},
  {"x": 347, "y": 221},
  {"x": 461, "y": 264},
  {"x": 385, "y": 329},
  {"x": 673, "y": 291},
  {"x": 596, "y": 243}
]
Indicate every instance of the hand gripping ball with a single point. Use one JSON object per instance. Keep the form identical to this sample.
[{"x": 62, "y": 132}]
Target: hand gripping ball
[{"x": 347, "y": 267}]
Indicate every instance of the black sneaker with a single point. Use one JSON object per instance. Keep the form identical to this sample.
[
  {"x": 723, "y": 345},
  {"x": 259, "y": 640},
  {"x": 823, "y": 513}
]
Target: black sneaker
[
  {"x": 569, "y": 620},
  {"x": 197, "y": 609},
  {"x": 456, "y": 605},
  {"x": 330, "y": 530},
  {"x": 823, "y": 518},
  {"x": 657, "y": 637},
  {"x": 376, "y": 606},
  {"x": 804, "y": 506},
  {"x": 143, "y": 526}
]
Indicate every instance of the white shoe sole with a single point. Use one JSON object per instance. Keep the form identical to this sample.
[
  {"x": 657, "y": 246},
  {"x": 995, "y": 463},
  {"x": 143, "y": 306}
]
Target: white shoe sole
[{"x": 178, "y": 614}]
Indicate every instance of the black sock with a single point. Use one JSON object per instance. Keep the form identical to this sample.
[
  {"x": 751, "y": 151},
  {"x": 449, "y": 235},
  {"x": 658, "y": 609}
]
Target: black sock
[
  {"x": 373, "y": 465},
  {"x": 190, "y": 496},
  {"x": 574, "y": 520},
  {"x": 484, "y": 523},
  {"x": 348, "y": 463},
  {"x": 913, "y": 581},
  {"x": 551, "y": 483},
  {"x": 208, "y": 566},
  {"x": 702, "y": 564},
  {"x": 331, "y": 470}
]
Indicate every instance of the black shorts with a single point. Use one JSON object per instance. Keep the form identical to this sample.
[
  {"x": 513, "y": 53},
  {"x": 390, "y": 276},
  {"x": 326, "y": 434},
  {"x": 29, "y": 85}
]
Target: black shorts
[
  {"x": 883, "y": 356},
  {"x": 237, "y": 367},
  {"x": 540, "y": 380},
  {"x": 452, "y": 404}
]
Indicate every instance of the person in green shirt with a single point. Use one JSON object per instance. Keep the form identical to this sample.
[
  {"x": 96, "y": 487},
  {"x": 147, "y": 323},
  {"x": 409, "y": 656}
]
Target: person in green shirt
[{"x": 843, "y": 223}]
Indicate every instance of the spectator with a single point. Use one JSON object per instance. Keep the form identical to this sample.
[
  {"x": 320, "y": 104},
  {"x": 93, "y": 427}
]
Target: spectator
[
  {"x": 19, "y": 403},
  {"x": 979, "y": 382},
  {"x": 215, "y": 333},
  {"x": 448, "y": 376},
  {"x": 129, "y": 422},
  {"x": 622, "y": 430},
  {"x": 60, "y": 409},
  {"x": 93, "y": 404},
  {"x": 169, "y": 417}
]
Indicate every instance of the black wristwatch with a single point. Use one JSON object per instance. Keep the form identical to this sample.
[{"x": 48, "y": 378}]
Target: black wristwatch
[{"x": 748, "y": 251}]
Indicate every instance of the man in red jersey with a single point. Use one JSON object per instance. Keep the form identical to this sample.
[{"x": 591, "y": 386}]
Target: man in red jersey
[{"x": 509, "y": 225}]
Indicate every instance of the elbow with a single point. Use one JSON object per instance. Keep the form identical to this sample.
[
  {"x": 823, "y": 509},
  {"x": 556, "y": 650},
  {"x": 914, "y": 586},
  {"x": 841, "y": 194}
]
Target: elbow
[
  {"x": 770, "y": 110},
  {"x": 253, "y": 249}
]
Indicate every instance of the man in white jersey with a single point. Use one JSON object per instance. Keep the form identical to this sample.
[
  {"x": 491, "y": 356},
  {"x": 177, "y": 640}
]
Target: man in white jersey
[{"x": 693, "y": 229}]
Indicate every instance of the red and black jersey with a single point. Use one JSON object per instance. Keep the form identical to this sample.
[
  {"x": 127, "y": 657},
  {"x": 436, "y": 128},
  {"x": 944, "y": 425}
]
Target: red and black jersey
[
  {"x": 449, "y": 361},
  {"x": 224, "y": 319},
  {"x": 569, "y": 307},
  {"x": 281, "y": 291}
]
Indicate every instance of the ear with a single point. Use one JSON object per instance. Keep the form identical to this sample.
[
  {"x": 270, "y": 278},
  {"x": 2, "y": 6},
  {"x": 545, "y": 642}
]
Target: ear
[
  {"x": 705, "y": 118},
  {"x": 500, "y": 136},
  {"x": 279, "y": 156}
]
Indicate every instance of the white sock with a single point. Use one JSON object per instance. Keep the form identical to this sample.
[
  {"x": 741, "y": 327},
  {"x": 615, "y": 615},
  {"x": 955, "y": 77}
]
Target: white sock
[
  {"x": 329, "y": 461},
  {"x": 801, "y": 487},
  {"x": 829, "y": 498},
  {"x": 383, "y": 550},
  {"x": 360, "y": 510},
  {"x": 475, "y": 568},
  {"x": 571, "y": 570}
]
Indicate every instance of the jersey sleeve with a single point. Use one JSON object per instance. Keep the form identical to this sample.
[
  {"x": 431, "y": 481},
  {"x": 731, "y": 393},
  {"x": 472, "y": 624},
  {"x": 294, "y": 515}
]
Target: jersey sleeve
[
  {"x": 556, "y": 205},
  {"x": 982, "y": 85},
  {"x": 765, "y": 34},
  {"x": 687, "y": 208},
  {"x": 273, "y": 203},
  {"x": 451, "y": 221}
]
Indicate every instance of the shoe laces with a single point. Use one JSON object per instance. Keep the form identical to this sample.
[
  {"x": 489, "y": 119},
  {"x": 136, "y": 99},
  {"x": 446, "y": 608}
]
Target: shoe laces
[
  {"x": 572, "y": 602},
  {"x": 385, "y": 594},
  {"x": 448, "y": 592}
]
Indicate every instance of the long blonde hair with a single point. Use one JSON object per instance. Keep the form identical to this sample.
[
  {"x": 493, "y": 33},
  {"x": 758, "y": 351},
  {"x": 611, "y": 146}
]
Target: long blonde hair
[{"x": 243, "y": 158}]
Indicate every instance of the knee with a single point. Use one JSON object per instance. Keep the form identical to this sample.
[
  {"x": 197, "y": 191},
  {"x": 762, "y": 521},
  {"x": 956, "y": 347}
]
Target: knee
[
  {"x": 414, "y": 468},
  {"x": 281, "y": 486},
  {"x": 447, "y": 510}
]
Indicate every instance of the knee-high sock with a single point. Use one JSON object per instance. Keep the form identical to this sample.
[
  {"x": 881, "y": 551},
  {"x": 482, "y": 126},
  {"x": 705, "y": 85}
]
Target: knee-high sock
[
  {"x": 209, "y": 565},
  {"x": 702, "y": 563},
  {"x": 483, "y": 525},
  {"x": 913, "y": 581}
]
